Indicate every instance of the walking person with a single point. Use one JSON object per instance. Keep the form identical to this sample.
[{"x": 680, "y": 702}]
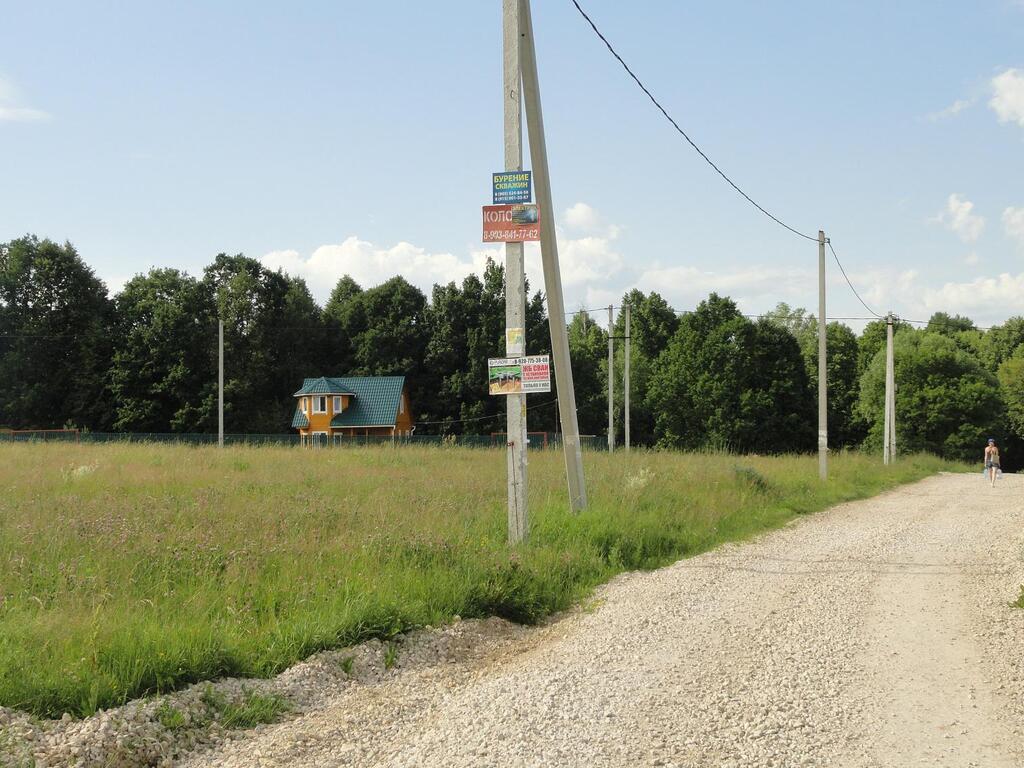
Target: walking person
[{"x": 992, "y": 460}]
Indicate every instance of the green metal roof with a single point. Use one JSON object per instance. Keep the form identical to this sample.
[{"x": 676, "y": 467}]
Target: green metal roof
[
  {"x": 323, "y": 386},
  {"x": 374, "y": 400}
]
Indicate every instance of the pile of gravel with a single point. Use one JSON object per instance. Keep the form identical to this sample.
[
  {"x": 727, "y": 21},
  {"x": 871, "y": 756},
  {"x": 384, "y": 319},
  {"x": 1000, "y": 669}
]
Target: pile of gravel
[{"x": 162, "y": 730}]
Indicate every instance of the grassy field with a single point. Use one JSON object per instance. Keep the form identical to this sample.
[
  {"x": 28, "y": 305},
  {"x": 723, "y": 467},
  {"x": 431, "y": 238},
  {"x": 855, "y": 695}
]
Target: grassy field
[{"x": 134, "y": 569}]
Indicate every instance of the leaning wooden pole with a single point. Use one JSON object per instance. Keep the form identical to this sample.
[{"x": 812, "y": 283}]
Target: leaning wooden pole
[{"x": 549, "y": 257}]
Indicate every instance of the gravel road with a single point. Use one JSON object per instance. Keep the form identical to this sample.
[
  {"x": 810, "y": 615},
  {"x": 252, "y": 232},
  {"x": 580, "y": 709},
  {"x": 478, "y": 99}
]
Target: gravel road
[{"x": 878, "y": 633}]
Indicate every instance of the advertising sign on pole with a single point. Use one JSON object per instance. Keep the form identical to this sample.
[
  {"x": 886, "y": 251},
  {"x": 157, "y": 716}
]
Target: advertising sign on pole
[
  {"x": 511, "y": 187},
  {"x": 514, "y": 341},
  {"x": 511, "y": 223},
  {"x": 518, "y": 375}
]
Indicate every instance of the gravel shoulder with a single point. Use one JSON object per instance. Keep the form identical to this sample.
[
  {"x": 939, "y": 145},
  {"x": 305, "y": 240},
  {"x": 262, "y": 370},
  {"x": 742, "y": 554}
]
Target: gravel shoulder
[{"x": 878, "y": 633}]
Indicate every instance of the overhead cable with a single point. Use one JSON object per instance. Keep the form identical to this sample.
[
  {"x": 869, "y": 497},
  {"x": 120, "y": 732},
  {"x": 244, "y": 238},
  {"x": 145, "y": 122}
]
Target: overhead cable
[
  {"x": 836, "y": 257},
  {"x": 683, "y": 133}
]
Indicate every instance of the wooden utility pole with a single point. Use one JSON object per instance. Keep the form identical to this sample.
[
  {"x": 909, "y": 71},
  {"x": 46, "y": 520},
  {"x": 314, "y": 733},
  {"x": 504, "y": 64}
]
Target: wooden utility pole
[
  {"x": 549, "y": 258},
  {"x": 625, "y": 382},
  {"x": 220, "y": 383},
  {"x": 611, "y": 380},
  {"x": 515, "y": 280},
  {"x": 822, "y": 378}
]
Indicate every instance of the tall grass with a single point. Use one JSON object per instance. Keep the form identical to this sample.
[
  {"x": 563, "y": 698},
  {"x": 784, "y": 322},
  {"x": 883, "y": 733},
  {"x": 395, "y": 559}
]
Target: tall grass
[{"x": 128, "y": 570}]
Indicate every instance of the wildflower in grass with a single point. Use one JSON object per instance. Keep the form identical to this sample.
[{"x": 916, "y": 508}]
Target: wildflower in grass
[{"x": 640, "y": 479}]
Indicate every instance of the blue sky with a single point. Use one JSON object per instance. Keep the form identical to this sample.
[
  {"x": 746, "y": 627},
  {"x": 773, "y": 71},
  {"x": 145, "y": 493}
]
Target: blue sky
[{"x": 359, "y": 137}]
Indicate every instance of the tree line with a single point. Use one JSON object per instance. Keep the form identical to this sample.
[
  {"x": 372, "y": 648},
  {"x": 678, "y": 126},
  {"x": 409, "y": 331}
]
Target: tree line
[{"x": 145, "y": 360}]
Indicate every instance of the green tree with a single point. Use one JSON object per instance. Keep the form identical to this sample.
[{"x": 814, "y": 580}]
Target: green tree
[
  {"x": 163, "y": 375},
  {"x": 871, "y": 342},
  {"x": 728, "y": 383},
  {"x": 465, "y": 327},
  {"x": 273, "y": 338},
  {"x": 55, "y": 320},
  {"x": 799, "y": 322},
  {"x": 338, "y": 348},
  {"x": 946, "y": 403},
  {"x": 949, "y": 325},
  {"x": 652, "y": 325},
  {"x": 845, "y": 425},
  {"x": 588, "y": 348},
  {"x": 1011, "y": 380},
  {"x": 999, "y": 343}
]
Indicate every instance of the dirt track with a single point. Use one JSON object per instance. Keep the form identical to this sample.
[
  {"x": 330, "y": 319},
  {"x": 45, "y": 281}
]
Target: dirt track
[{"x": 875, "y": 634}]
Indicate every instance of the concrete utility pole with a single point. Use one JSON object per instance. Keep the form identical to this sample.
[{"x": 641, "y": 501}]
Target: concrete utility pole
[
  {"x": 549, "y": 257},
  {"x": 892, "y": 408},
  {"x": 220, "y": 383},
  {"x": 611, "y": 380},
  {"x": 822, "y": 378},
  {"x": 888, "y": 428},
  {"x": 515, "y": 280},
  {"x": 625, "y": 384}
]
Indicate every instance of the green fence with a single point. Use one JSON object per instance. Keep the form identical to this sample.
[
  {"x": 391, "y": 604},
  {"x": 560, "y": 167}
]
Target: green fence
[{"x": 537, "y": 441}]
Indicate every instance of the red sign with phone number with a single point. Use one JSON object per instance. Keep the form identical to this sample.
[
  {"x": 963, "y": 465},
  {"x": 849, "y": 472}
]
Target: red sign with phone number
[{"x": 511, "y": 223}]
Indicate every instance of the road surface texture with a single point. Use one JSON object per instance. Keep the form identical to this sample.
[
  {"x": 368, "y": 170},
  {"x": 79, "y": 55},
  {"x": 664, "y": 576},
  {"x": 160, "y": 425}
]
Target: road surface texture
[{"x": 878, "y": 633}]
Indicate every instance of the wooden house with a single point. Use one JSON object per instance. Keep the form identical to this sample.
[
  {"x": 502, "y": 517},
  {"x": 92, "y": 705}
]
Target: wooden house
[{"x": 330, "y": 409}]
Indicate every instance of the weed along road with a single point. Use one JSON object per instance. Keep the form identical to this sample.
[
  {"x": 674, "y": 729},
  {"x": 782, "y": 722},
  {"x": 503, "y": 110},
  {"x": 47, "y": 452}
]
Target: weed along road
[{"x": 878, "y": 633}]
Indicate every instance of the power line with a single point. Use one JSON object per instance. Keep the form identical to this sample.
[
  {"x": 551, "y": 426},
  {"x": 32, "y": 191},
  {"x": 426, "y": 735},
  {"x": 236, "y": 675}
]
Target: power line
[
  {"x": 683, "y": 133},
  {"x": 593, "y": 309},
  {"x": 836, "y": 257},
  {"x": 948, "y": 323}
]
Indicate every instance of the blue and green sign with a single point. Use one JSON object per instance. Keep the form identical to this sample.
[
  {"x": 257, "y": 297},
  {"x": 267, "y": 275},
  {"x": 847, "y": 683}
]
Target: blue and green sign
[{"x": 512, "y": 187}]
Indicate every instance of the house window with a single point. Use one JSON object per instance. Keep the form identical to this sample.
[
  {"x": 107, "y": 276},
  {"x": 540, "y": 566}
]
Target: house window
[
  {"x": 305, "y": 405},
  {"x": 401, "y": 404},
  {"x": 337, "y": 404},
  {"x": 320, "y": 404}
]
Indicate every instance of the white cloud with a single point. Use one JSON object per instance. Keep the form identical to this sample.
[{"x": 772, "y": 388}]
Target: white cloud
[
  {"x": 984, "y": 298},
  {"x": 972, "y": 258},
  {"x": 11, "y": 109},
  {"x": 958, "y": 218},
  {"x": 952, "y": 110},
  {"x": 591, "y": 258},
  {"x": 582, "y": 217},
  {"x": 1008, "y": 96},
  {"x": 1013, "y": 223},
  {"x": 370, "y": 265},
  {"x": 586, "y": 259},
  {"x": 753, "y": 288}
]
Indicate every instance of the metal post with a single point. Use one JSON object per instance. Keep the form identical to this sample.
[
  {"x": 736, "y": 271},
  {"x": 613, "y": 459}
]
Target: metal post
[
  {"x": 549, "y": 257},
  {"x": 822, "y": 377},
  {"x": 625, "y": 383},
  {"x": 611, "y": 380},
  {"x": 515, "y": 280},
  {"x": 890, "y": 399},
  {"x": 220, "y": 383}
]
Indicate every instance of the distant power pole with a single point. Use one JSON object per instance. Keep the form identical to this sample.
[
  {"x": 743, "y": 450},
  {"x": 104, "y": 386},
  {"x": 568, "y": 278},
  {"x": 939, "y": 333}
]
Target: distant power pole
[
  {"x": 220, "y": 383},
  {"x": 549, "y": 258},
  {"x": 625, "y": 383},
  {"x": 889, "y": 426},
  {"x": 611, "y": 380},
  {"x": 822, "y": 382},
  {"x": 515, "y": 280}
]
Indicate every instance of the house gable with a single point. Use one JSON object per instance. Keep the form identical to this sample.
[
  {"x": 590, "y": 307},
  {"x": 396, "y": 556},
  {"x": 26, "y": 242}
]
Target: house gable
[{"x": 371, "y": 401}]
